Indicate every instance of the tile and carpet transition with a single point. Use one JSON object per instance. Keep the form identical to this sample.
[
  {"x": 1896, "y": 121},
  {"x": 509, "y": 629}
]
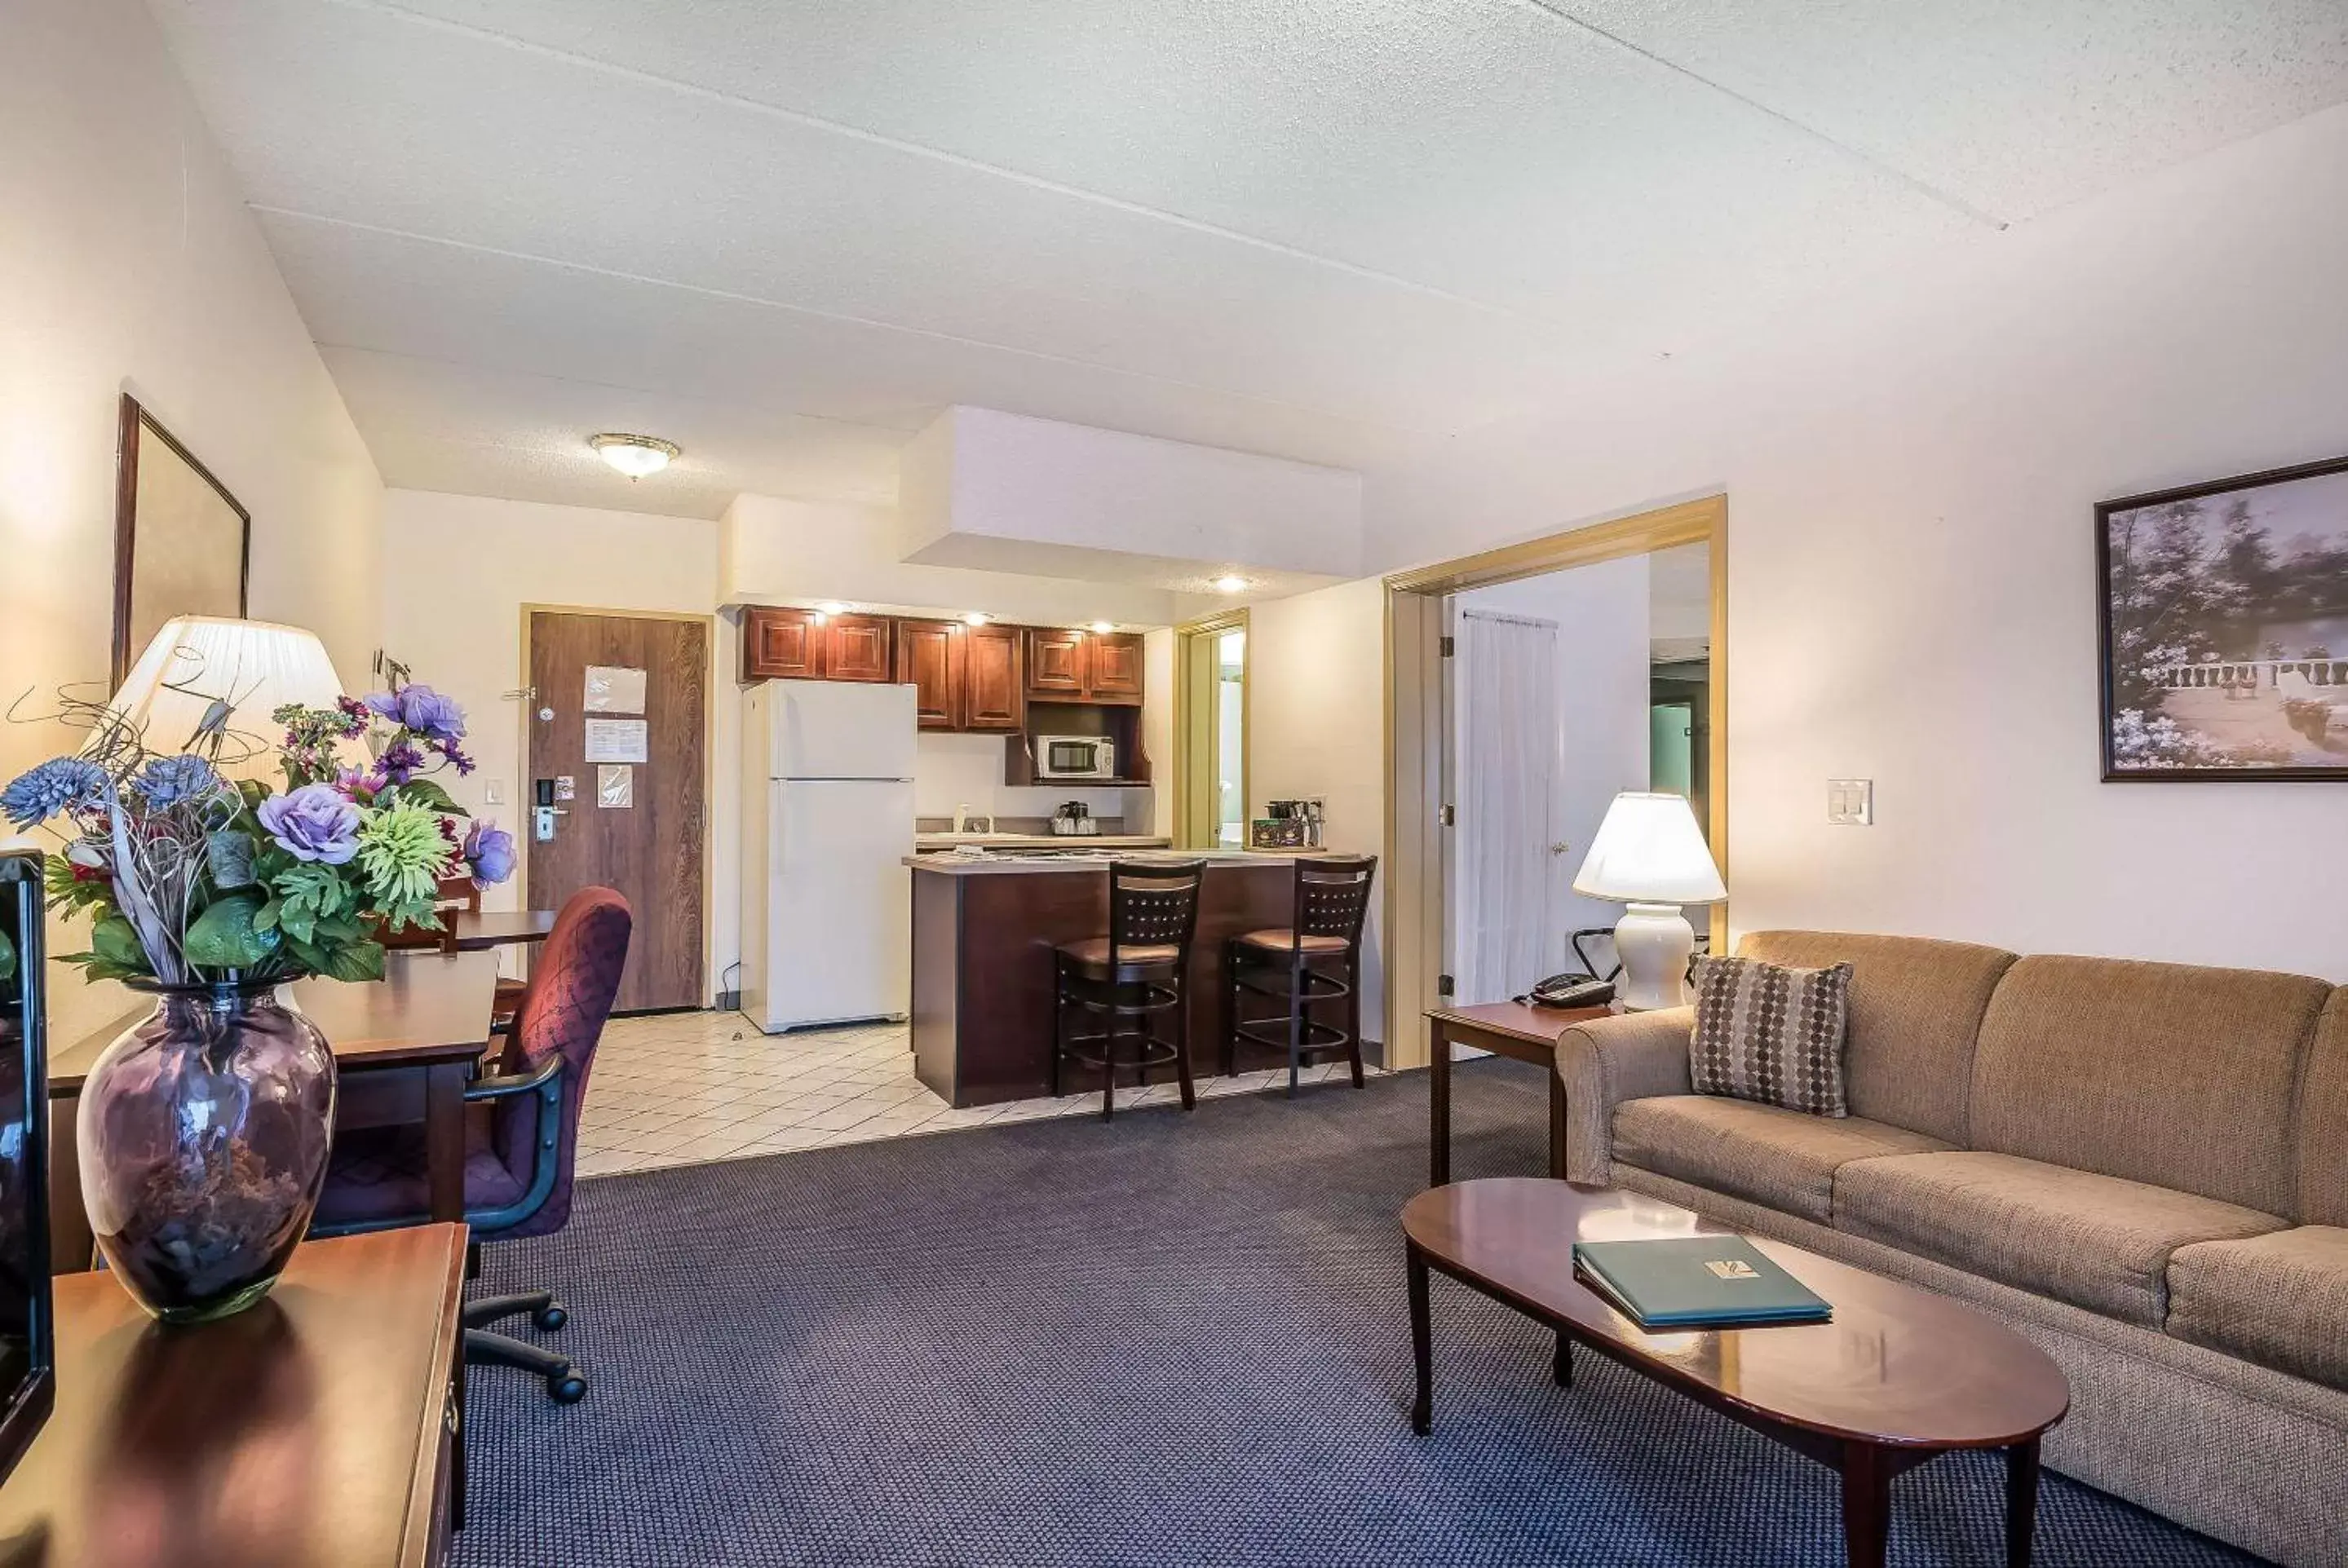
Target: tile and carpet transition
[{"x": 1170, "y": 1340}]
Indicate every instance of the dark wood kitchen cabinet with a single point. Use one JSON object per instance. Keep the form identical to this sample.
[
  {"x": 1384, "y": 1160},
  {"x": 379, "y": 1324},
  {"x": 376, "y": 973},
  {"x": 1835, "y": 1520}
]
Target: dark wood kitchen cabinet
[
  {"x": 1084, "y": 666},
  {"x": 783, "y": 642},
  {"x": 1056, "y": 665},
  {"x": 930, "y": 658},
  {"x": 994, "y": 689},
  {"x": 860, "y": 648},
  {"x": 1116, "y": 673},
  {"x": 964, "y": 678}
]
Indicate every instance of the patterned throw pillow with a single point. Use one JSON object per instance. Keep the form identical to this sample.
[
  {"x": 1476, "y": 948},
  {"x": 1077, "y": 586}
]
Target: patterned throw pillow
[{"x": 1769, "y": 1033}]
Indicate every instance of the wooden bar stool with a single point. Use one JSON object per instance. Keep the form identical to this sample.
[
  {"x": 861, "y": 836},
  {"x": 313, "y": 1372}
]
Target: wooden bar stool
[
  {"x": 1332, "y": 899},
  {"x": 1138, "y": 973}
]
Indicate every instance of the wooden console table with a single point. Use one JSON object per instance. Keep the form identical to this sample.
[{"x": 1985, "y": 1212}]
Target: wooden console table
[
  {"x": 1505, "y": 1029},
  {"x": 321, "y": 1429}
]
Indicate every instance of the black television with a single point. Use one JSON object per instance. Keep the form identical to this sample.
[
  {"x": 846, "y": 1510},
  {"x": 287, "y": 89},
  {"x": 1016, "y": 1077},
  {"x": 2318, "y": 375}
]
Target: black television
[{"x": 27, "y": 1325}]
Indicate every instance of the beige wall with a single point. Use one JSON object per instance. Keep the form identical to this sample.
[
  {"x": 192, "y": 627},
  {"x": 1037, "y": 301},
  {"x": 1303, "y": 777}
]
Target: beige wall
[
  {"x": 1911, "y": 474},
  {"x": 1317, "y": 726},
  {"x": 129, "y": 262},
  {"x": 457, "y": 571}
]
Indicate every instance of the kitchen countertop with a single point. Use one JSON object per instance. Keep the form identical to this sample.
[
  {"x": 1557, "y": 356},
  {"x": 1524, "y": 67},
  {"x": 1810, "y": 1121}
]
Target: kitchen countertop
[
  {"x": 995, "y": 863},
  {"x": 992, "y": 841}
]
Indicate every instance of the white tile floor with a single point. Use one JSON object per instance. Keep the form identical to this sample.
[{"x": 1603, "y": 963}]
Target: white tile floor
[{"x": 677, "y": 1089}]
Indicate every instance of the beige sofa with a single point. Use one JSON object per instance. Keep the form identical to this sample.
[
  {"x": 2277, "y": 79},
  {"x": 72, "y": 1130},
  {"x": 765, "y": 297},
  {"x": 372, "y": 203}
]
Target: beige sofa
[{"x": 2141, "y": 1167}]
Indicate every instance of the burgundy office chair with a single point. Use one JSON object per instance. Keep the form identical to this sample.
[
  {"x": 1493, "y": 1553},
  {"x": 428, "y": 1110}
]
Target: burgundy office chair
[{"x": 522, "y": 1126}]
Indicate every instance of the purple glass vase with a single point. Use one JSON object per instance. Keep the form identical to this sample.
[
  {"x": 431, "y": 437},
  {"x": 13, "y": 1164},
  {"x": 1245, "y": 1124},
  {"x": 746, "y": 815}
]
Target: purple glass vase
[{"x": 203, "y": 1132}]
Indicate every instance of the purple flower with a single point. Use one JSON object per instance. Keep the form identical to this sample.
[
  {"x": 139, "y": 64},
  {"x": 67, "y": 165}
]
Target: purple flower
[
  {"x": 399, "y": 762},
  {"x": 314, "y": 823},
  {"x": 61, "y": 784},
  {"x": 169, "y": 781},
  {"x": 421, "y": 709},
  {"x": 489, "y": 850}
]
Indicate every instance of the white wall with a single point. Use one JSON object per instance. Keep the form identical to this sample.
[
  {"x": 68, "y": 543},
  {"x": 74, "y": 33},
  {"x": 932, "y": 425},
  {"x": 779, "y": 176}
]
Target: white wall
[
  {"x": 1911, "y": 474},
  {"x": 778, "y": 550},
  {"x": 457, "y": 573},
  {"x": 967, "y": 770},
  {"x": 1600, "y": 743},
  {"x": 1318, "y": 728},
  {"x": 129, "y": 262}
]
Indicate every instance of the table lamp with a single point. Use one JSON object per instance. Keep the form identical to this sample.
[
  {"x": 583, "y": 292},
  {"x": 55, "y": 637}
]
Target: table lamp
[
  {"x": 1649, "y": 854},
  {"x": 255, "y": 666}
]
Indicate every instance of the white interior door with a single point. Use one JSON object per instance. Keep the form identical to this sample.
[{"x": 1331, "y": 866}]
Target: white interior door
[{"x": 1506, "y": 769}]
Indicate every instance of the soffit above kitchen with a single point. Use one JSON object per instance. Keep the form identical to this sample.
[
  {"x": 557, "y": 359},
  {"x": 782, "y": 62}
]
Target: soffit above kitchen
[{"x": 1339, "y": 232}]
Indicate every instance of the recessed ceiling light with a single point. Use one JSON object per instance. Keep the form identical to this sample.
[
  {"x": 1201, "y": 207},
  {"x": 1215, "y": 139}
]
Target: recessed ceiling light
[
  {"x": 1231, "y": 582},
  {"x": 975, "y": 617},
  {"x": 832, "y": 607},
  {"x": 635, "y": 455},
  {"x": 1103, "y": 625}
]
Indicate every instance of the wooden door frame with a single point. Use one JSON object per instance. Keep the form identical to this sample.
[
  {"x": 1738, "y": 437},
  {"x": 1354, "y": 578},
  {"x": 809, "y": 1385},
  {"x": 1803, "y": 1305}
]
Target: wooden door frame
[
  {"x": 1415, "y": 893},
  {"x": 1185, "y": 636},
  {"x": 529, "y": 711}
]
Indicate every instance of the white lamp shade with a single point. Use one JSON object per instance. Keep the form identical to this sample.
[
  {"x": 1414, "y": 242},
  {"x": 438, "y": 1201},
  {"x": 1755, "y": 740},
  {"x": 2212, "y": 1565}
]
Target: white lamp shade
[
  {"x": 1649, "y": 850},
  {"x": 254, "y": 666}
]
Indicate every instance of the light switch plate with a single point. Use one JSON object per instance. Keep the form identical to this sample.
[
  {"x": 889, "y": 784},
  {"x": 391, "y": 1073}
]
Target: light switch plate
[
  {"x": 493, "y": 792},
  {"x": 1850, "y": 802}
]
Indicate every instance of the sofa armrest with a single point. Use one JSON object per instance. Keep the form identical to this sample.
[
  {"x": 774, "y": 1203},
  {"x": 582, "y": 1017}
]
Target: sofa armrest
[{"x": 1604, "y": 1062}]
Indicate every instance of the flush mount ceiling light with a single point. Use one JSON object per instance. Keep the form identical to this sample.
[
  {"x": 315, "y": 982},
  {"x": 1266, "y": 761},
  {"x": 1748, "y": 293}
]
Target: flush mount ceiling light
[
  {"x": 1231, "y": 582},
  {"x": 635, "y": 455}
]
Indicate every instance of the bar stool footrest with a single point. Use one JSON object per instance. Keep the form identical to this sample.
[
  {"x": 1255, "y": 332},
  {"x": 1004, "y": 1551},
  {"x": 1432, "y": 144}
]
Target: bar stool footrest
[{"x": 1273, "y": 1033}]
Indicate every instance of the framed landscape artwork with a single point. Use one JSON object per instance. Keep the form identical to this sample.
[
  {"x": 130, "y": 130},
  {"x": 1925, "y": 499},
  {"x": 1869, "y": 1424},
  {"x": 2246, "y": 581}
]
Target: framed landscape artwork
[
  {"x": 182, "y": 544},
  {"x": 2225, "y": 629}
]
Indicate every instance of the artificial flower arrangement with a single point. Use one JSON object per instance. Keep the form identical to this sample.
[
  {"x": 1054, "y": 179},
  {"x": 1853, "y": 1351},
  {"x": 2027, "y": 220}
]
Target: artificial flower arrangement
[{"x": 191, "y": 879}]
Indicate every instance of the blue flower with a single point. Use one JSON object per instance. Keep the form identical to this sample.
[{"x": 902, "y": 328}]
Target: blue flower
[
  {"x": 421, "y": 709},
  {"x": 168, "y": 781},
  {"x": 489, "y": 851},
  {"x": 314, "y": 823},
  {"x": 61, "y": 784}
]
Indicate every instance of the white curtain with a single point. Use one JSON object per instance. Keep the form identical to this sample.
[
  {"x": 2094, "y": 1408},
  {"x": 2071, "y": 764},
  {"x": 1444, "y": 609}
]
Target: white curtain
[{"x": 1505, "y": 680}]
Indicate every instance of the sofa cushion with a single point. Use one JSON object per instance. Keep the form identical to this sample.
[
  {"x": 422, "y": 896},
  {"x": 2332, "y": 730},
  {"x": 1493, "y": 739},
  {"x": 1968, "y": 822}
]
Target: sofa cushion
[
  {"x": 1915, "y": 1006},
  {"x": 2324, "y": 1120},
  {"x": 2280, "y": 1300},
  {"x": 2094, "y": 1241},
  {"x": 1785, "y": 1159},
  {"x": 2161, "y": 1074},
  {"x": 1771, "y": 1034}
]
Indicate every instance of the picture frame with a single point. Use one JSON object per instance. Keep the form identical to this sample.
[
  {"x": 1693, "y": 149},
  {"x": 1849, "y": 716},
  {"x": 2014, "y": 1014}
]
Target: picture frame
[
  {"x": 182, "y": 542},
  {"x": 2222, "y": 615}
]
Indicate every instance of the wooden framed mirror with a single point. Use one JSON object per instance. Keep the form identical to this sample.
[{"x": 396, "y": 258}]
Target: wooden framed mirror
[{"x": 182, "y": 543}]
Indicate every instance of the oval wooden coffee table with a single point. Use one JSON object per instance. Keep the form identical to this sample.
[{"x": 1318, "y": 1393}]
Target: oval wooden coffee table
[{"x": 1900, "y": 1376}]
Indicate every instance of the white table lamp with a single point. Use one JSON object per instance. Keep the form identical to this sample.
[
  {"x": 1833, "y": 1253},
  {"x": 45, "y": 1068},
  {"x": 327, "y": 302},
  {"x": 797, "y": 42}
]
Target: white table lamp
[
  {"x": 1649, "y": 854},
  {"x": 253, "y": 666}
]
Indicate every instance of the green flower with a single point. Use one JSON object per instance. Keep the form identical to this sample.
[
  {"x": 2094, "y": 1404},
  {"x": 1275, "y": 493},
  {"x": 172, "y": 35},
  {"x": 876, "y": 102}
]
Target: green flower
[{"x": 403, "y": 854}]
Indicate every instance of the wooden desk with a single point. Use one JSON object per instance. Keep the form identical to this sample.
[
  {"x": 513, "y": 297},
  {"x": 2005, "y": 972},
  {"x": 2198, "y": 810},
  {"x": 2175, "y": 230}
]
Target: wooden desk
[
  {"x": 1505, "y": 1029},
  {"x": 471, "y": 932},
  {"x": 321, "y": 1429},
  {"x": 404, "y": 1047}
]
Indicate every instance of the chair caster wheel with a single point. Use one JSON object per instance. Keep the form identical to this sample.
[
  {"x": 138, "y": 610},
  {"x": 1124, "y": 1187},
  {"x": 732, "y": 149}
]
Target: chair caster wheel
[
  {"x": 566, "y": 1387},
  {"x": 551, "y": 1317}
]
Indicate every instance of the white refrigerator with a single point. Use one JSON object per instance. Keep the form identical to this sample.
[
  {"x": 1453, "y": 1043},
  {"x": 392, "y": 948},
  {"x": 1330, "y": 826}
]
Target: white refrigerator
[{"x": 827, "y": 823}]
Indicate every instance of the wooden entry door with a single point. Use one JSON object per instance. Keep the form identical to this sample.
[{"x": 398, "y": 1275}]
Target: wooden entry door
[{"x": 639, "y": 827}]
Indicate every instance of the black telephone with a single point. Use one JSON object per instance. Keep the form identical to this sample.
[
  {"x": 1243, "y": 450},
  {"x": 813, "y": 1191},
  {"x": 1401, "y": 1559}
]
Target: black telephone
[{"x": 1581, "y": 988}]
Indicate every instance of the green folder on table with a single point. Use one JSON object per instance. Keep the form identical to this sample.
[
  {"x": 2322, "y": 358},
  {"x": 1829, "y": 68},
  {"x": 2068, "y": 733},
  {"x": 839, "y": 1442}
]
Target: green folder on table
[{"x": 1695, "y": 1282}]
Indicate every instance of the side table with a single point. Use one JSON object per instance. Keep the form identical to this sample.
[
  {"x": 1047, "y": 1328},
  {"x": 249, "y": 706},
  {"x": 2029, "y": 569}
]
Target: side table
[{"x": 1513, "y": 1029}]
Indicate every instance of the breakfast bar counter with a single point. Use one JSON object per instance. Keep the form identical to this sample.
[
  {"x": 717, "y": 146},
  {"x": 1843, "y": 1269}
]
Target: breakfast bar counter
[{"x": 984, "y": 931}]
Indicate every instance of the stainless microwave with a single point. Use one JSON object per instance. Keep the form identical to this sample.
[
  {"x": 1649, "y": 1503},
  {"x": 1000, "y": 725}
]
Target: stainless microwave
[{"x": 1075, "y": 757}]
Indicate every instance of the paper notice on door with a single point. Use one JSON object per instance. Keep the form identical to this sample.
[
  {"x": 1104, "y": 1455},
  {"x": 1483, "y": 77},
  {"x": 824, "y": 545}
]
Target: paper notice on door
[
  {"x": 618, "y": 740},
  {"x": 614, "y": 689},
  {"x": 615, "y": 785}
]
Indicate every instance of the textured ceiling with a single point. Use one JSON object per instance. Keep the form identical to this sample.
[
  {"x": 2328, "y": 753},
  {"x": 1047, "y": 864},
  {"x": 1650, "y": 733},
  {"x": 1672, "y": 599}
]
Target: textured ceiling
[{"x": 785, "y": 235}]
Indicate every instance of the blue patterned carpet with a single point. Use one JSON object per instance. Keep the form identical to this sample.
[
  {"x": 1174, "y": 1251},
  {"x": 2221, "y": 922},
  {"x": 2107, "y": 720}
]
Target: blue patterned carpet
[{"x": 1169, "y": 1341}]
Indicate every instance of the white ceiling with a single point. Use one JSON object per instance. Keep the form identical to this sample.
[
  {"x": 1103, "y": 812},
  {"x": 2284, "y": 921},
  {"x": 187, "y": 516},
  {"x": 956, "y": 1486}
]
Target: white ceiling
[{"x": 785, "y": 235}]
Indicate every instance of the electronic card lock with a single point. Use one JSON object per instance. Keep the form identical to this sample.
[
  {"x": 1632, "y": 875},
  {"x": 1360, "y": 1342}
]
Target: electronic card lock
[{"x": 543, "y": 817}]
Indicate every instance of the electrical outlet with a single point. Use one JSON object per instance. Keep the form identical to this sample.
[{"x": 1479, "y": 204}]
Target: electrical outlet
[{"x": 1850, "y": 802}]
